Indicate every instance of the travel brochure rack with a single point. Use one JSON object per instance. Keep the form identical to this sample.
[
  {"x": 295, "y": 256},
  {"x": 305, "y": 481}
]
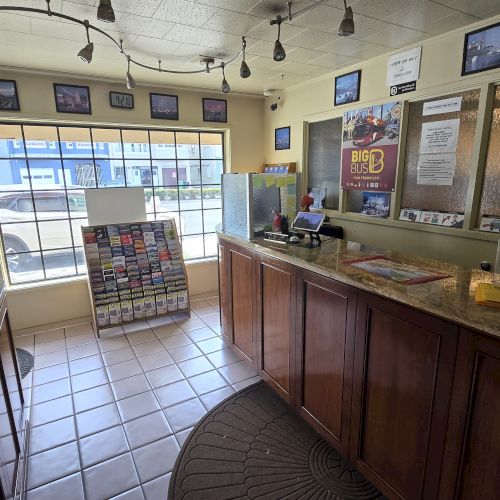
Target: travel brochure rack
[{"x": 136, "y": 272}]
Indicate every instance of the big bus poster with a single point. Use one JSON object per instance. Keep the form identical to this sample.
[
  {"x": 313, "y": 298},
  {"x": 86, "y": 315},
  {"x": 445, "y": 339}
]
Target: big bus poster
[{"x": 370, "y": 139}]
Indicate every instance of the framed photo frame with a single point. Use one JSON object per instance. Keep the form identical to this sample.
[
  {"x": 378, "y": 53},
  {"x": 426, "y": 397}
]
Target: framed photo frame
[
  {"x": 72, "y": 99},
  {"x": 281, "y": 138},
  {"x": 481, "y": 50},
  {"x": 347, "y": 88},
  {"x": 9, "y": 99},
  {"x": 214, "y": 110},
  {"x": 164, "y": 106},
  {"x": 121, "y": 100}
]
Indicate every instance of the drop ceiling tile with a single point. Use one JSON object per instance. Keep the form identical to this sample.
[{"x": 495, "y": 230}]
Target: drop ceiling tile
[
  {"x": 155, "y": 45},
  {"x": 483, "y": 8},
  {"x": 184, "y": 12},
  {"x": 344, "y": 46},
  {"x": 311, "y": 39},
  {"x": 260, "y": 48},
  {"x": 264, "y": 31},
  {"x": 66, "y": 31},
  {"x": 397, "y": 37},
  {"x": 323, "y": 18},
  {"x": 234, "y": 5},
  {"x": 298, "y": 54},
  {"x": 365, "y": 27},
  {"x": 271, "y": 8},
  {"x": 55, "y": 6},
  {"x": 81, "y": 11},
  {"x": 379, "y": 8},
  {"x": 137, "y": 25},
  {"x": 261, "y": 62},
  {"x": 14, "y": 22},
  {"x": 230, "y": 22},
  {"x": 296, "y": 68},
  {"x": 450, "y": 23},
  {"x": 422, "y": 16},
  {"x": 332, "y": 60},
  {"x": 369, "y": 51},
  {"x": 145, "y": 8}
]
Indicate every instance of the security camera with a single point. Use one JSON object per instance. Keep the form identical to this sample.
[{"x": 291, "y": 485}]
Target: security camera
[{"x": 274, "y": 105}]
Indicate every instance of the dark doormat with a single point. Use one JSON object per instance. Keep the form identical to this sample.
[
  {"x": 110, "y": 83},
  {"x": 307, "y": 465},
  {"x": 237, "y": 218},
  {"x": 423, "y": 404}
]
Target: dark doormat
[{"x": 251, "y": 446}]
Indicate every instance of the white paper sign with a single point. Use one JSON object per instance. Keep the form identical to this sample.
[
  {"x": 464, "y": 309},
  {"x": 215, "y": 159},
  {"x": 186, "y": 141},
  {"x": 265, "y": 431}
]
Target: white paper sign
[
  {"x": 403, "y": 67},
  {"x": 436, "y": 170},
  {"x": 451, "y": 105},
  {"x": 439, "y": 137}
]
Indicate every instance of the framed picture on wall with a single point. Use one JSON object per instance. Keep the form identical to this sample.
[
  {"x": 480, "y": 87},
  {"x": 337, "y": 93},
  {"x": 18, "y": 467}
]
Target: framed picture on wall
[
  {"x": 347, "y": 88},
  {"x": 282, "y": 138},
  {"x": 481, "y": 50},
  {"x": 164, "y": 106},
  {"x": 9, "y": 100},
  {"x": 214, "y": 110},
  {"x": 72, "y": 99}
]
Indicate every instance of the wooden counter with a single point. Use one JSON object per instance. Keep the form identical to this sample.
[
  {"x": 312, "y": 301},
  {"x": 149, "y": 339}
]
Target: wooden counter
[{"x": 402, "y": 380}]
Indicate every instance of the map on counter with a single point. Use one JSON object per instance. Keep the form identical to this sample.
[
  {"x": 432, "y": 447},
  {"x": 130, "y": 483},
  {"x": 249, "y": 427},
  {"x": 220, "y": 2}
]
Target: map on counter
[{"x": 403, "y": 274}]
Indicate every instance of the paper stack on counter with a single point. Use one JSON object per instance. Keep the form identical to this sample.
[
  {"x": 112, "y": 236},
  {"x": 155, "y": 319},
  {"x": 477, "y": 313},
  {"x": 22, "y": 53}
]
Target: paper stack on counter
[{"x": 488, "y": 294}]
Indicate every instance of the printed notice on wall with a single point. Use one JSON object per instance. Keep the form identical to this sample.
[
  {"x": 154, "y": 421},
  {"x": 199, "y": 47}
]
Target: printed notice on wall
[
  {"x": 403, "y": 67},
  {"x": 439, "y": 137},
  {"x": 451, "y": 105},
  {"x": 436, "y": 170}
]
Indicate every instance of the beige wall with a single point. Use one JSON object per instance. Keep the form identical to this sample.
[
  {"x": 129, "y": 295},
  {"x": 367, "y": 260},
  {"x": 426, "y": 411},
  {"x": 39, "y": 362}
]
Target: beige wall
[
  {"x": 33, "y": 305},
  {"x": 313, "y": 101}
]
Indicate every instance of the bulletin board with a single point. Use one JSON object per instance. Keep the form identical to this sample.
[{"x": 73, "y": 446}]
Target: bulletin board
[{"x": 135, "y": 272}]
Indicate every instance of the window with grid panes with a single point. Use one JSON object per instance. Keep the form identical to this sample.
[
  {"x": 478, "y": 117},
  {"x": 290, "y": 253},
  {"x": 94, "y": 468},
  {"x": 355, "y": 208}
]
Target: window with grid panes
[{"x": 44, "y": 170}]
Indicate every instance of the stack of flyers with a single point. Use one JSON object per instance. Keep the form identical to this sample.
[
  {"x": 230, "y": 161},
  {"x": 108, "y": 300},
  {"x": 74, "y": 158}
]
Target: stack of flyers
[
  {"x": 126, "y": 239},
  {"x": 89, "y": 235},
  {"x": 172, "y": 302},
  {"x": 149, "y": 238},
  {"x": 138, "y": 308},
  {"x": 161, "y": 303},
  {"x": 149, "y": 306},
  {"x": 119, "y": 264},
  {"x": 182, "y": 299},
  {"x": 115, "y": 313},
  {"x": 127, "y": 310},
  {"x": 122, "y": 283},
  {"x": 102, "y": 315},
  {"x": 146, "y": 227}
]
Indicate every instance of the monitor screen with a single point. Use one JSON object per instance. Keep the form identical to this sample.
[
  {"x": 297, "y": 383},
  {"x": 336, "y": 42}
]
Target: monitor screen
[{"x": 308, "y": 221}]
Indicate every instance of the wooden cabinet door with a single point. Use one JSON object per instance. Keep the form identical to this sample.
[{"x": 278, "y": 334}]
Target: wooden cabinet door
[
  {"x": 326, "y": 320},
  {"x": 471, "y": 467},
  {"x": 242, "y": 301},
  {"x": 403, "y": 370},
  {"x": 275, "y": 323},
  {"x": 226, "y": 314}
]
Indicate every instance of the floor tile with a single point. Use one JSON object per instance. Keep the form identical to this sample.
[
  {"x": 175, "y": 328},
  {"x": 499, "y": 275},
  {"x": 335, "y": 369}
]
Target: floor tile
[
  {"x": 156, "y": 360},
  {"x": 82, "y": 351},
  {"x": 191, "y": 324},
  {"x": 207, "y": 382},
  {"x": 195, "y": 366},
  {"x": 176, "y": 341},
  {"x": 102, "y": 446},
  {"x": 185, "y": 352},
  {"x": 118, "y": 356},
  {"x": 124, "y": 370},
  {"x": 77, "y": 340},
  {"x": 212, "y": 319},
  {"x": 184, "y": 415},
  {"x": 167, "y": 330},
  {"x": 24, "y": 340},
  {"x": 133, "y": 494},
  {"x": 70, "y": 487},
  {"x": 205, "y": 311},
  {"x": 45, "y": 375},
  {"x": 141, "y": 337},
  {"x": 160, "y": 321},
  {"x": 137, "y": 406},
  {"x": 148, "y": 348},
  {"x": 250, "y": 381},
  {"x": 88, "y": 380},
  {"x": 212, "y": 345},
  {"x": 51, "y": 411},
  {"x": 53, "y": 464},
  {"x": 51, "y": 435},
  {"x": 157, "y": 488},
  {"x": 156, "y": 459},
  {"x": 182, "y": 436},
  {"x": 96, "y": 420},
  {"x": 237, "y": 372},
  {"x": 87, "y": 364},
  {"x": 213, "y": 301},
  {"x": 216, "y": 329},
  {"x": 223, "y": 357},
  {"x": 50, "y": 359},
  {"x": 130, "y": 386},
  {"x": 111, "y": 332},
  {"x": 113, "y": 343},
  {"x": 51, "y": 390},
  {"x": 49, "y": 336},
  {"x": 76, "y": 330},
  {"x": 201, "y": 334},
  {"x": 138, "y": 326},
  {"x": 145, "y": 430},
  {"x": 172, "y": 394},
  {"x": 199, "y": 304},
  {"x": 46, "y": 347},
  {"x": 163, "y": 376},
  {"x": 214, "y": 398},
  {"x": 110, "y": 478},
  {"x": 92, "y": 398}
]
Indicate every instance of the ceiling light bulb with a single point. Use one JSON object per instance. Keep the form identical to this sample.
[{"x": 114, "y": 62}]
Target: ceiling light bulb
[
  {"x": 85, "y": 54},
  {"x": 347, "y": 25},
  {"x": 131, "y": 83},
  {"x": 279, "y": 53},
  {"x": 225, "y": 88},
  {"x": 105, "y": 12}
]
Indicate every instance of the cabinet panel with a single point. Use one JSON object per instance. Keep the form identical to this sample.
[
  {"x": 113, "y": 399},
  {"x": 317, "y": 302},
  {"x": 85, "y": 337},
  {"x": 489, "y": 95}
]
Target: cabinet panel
[
  {"x": 225, "y": 293},
  {"x": 325, "y": 344},
  {"x": 403, "y": 374}
]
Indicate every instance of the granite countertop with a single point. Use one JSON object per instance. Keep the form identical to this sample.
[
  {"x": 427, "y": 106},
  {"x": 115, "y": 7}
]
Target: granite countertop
[{"x": 450, "y": 298}]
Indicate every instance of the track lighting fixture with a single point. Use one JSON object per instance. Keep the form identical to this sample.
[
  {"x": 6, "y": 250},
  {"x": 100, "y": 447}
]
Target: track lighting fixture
[
  {"x": 244, "y": 69},
  {"x": 279, "y": 53},
  {"x": 105, "y": 12},
  {"x": 131, "y": 84},
  {"x": 86, "y": 53},
  {"x": 225, "y": 88},
  {"x": 347, "y": 25}
]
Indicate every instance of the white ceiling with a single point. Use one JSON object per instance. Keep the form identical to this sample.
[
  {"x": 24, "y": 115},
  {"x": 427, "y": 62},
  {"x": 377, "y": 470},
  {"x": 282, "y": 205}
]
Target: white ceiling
[{"x": 178, "y": 31}]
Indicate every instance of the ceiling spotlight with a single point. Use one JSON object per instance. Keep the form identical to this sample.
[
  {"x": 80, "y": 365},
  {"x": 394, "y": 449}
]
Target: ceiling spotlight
[
  {"x": 105, "y": 12},
  {"x": 279, "y": 52},
  {"x": 347, "y": 25},
  {"x": 244, "y": 69},
  {"x": 225, "y": 88},
  {"x": 131, "y": 83},
  {"x": 86, "y": 53}
]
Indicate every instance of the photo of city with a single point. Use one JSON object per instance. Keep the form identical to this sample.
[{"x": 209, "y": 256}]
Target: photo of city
[
  {"x": 482, "y": 50},
  {"x": 164, "y": 106},
  {"x": 72, "y": 99},
  {"x": 8, "y": 96}
]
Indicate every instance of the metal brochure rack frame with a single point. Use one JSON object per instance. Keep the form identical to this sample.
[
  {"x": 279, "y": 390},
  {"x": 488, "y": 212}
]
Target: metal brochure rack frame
[{"x": 136, "y": 272}]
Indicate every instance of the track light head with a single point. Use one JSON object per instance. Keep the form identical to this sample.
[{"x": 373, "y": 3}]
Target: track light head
[
  {"x": 347, "y": 25},
  {"x": 105, "y": 12},
  {"x": 279, "y": 53},
  {"x": 131, "y": 83},
  {"x": 225, "y": 88},
  {"x": 244, "y": 70},
  {"x": 85, "y": 54}
]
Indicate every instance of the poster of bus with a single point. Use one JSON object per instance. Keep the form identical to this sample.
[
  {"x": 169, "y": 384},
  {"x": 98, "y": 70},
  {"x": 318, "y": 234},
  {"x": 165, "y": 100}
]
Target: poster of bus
[{"x": 370, "y": 147}]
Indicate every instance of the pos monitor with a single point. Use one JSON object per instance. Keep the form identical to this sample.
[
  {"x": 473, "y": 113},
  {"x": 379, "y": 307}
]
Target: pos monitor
[{"x": 309, "y": 222}]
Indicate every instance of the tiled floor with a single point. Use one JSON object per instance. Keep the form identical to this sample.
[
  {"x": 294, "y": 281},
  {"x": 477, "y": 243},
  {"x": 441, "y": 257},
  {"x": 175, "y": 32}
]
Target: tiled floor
[{"x": 108, "y": 416}]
